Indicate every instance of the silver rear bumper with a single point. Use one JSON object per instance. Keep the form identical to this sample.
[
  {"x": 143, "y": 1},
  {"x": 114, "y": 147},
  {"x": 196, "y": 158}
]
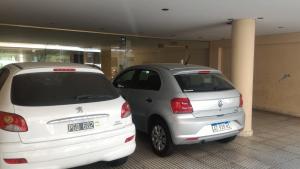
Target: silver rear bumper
[{"x": 186, "y": 129}]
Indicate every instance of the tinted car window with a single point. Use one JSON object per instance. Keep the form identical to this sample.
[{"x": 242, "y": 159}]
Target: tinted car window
[
  {"x": 148, "y": 80},
  {"x": 202, "y": 82},
  {"x": 4, "y": 73},
  {"x": 53, "y": 88},
  {"x": 125, "y": 80}
]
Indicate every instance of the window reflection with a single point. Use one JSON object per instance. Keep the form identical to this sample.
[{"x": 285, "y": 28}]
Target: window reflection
[{"x": 17, "y": 55}]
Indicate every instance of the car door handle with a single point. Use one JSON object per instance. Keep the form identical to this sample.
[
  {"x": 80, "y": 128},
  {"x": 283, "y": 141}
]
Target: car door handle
[{"x": 149, "y": 100}]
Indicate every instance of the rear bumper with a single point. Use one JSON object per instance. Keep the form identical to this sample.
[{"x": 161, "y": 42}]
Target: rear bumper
[
  {"x": 87, "y": 150},
  {"x": 186, "y": 129}
]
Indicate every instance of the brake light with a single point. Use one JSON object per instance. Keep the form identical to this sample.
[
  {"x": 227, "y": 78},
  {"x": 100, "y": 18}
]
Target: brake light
[
  {"x": 204, "y": 72},
  {"x": 126, "y": 111},
  {"x": 192, "y": 138},
  {"x": 16, "y": 161},
  {"x": 181, "y": 105},
  {"x": 128, "y": 139},
  {"x": 12, "y": 122},
  {"x": 64, "y": 70},
  {"x": 241, "y": 101}
]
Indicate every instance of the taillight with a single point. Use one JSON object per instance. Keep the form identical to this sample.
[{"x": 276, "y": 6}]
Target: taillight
[
  {"x": 126, "y": 111},
  {"x": 15, "y": 161},
  {"x": 241, "y": 101},
  {"x": 12, "y": 122},
  {"x": 128, "y": 139},
  {"x": 181, "y": 105},
  {"x": 204, "y": 72},
  {"x": 192, "y": 138}
]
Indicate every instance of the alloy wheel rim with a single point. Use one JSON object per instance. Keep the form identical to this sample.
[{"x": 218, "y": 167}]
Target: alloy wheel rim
[{"x": 159, "y": 138}]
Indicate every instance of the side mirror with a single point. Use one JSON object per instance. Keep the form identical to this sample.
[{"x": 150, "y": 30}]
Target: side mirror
[{"x": 120, "y": 86}]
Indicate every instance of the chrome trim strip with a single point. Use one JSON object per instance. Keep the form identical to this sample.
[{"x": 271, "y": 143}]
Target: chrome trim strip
[{"x": 67, "y": 119}]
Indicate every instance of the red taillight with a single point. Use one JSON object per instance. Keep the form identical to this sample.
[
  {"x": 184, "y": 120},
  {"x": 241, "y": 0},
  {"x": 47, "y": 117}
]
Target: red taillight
[
  {"x": 241, "y": 101},
  {"x": 125, "y": 112},
  {"x": 16, "y": 161},
  {"x": 181, "y": 105},
  {"x": 204, "y": 72},
  {"x": 192, "y": 138},
  {"x": 64, "y": 70},
  {"x": 12, "y": 122},
  {"x": 128, "y": 139}
]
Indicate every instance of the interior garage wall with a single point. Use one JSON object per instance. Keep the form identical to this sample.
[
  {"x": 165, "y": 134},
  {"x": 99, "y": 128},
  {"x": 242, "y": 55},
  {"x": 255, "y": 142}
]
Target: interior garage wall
[
  {"x": 276, "y": 71},
  {"x": 169, "y": 51},
  {"x": 143, "y": 50}
]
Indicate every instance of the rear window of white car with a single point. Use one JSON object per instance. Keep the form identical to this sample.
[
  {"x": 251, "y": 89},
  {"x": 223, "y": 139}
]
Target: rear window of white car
[
  {"x": 198, "y": 82},
  {"x": 60, "y": 88}
]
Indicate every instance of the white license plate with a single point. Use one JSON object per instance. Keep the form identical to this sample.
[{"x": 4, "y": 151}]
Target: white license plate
[
  {"x": 80, "y": 126},
  {"x": 223, "y": 126}
]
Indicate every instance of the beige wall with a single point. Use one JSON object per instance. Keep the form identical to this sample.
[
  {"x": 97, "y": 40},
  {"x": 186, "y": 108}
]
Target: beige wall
[
  {"x": 144, "y": 50},
  {"x": 276, "y": 56},
  {"x": 169, "y": 51}
]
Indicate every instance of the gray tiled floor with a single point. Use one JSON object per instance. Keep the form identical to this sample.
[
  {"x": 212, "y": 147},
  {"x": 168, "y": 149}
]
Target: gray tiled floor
[{"x": 275, "y": 145}]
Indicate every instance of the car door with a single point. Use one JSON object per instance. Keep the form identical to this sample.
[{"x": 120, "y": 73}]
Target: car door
[
  {"x": 124, "y": 83},
  {"x": 140, "y": 88},
  {"x": 145, "y": 95}
]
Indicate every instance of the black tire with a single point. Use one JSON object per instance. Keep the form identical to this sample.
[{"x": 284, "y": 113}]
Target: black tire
[
  {"x": 162, "y": 144},
  {"x": 227, "y": 140},
  {"x": 118, "y": 162}
]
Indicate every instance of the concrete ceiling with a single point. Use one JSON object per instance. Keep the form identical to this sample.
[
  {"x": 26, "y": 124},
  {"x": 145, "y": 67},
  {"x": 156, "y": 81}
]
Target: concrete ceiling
[{"x": 186, "y": 19}]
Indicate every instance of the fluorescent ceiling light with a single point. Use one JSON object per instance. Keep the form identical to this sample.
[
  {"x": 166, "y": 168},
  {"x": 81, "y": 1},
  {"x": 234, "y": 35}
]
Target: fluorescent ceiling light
[
  {"x": 43, "y": 46},
  {"x": 118, "y": 50}
]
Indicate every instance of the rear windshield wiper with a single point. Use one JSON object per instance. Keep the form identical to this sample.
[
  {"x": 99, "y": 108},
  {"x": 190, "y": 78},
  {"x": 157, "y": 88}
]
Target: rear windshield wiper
[{"x": 93, "y": 97}]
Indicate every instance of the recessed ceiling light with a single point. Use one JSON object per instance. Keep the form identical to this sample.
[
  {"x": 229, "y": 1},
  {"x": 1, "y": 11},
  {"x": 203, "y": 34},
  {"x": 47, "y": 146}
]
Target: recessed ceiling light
[{"x": 165, "y": 9}]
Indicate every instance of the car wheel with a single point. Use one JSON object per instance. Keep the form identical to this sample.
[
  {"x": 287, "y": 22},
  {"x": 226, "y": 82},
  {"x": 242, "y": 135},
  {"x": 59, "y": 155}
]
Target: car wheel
[
  {"x": 227, "y": 140},
  {"x": 160, "y": 138},
  {"x": 118, "y": 162}
]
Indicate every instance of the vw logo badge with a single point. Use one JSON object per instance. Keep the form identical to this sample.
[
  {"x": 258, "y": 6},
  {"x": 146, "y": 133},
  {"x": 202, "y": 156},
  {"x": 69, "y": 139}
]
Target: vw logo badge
[
  {"x": 220, "y": 103},
  {"x": 79, "y": 109}
]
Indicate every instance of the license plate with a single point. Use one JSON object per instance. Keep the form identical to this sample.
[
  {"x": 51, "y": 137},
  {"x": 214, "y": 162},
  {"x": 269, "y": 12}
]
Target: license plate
[
  {"x": 218, "y": 127},
  {"x": 80, "y": 126}
]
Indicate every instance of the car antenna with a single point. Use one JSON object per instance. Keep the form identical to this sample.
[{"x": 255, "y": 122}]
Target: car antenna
[{"x": 187, "y": 60}]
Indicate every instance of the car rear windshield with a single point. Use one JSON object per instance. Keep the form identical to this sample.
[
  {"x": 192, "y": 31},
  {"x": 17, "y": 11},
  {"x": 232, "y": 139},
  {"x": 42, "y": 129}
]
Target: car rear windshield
[
  {"x": 60, "y": 88},
  {"x": 203, "y": 82}
]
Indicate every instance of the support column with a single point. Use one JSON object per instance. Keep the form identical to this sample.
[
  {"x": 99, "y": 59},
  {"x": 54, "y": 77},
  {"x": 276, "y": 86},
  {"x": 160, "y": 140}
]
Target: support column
[
  {"x": 106, "y": 62},
  {"x": 243, "y": 42}
]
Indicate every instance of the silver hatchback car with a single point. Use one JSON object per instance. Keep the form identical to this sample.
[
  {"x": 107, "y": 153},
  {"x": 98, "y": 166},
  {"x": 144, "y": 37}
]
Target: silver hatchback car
[{"x": 181, "y": 104}]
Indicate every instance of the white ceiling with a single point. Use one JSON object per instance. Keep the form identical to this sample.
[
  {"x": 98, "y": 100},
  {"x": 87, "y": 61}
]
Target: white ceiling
[{"x": 186, "y": 19}]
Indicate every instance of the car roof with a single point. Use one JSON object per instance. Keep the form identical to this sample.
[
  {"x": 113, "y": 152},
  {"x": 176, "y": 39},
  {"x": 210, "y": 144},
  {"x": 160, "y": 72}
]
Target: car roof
[
  {"x": 175, "y": 67},
  {"x": 33, "y": 65}
]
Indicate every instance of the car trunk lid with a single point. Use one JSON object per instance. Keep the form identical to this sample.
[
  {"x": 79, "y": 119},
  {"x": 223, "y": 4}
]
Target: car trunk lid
[
  {"x": 61, "y": 122},
  {"x": 214, "y": 103}
]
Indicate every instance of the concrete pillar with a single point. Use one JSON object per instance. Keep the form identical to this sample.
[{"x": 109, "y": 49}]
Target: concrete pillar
[
  {"x": 85, "y": 57},
  {"x": 106, "y": 62},
  {"x": 220, "y": 59},
  {"x": 243, "y": 41}
]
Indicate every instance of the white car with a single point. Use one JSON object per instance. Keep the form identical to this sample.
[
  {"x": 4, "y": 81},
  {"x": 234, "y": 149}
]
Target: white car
[{"x": 55, "y": 116}]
